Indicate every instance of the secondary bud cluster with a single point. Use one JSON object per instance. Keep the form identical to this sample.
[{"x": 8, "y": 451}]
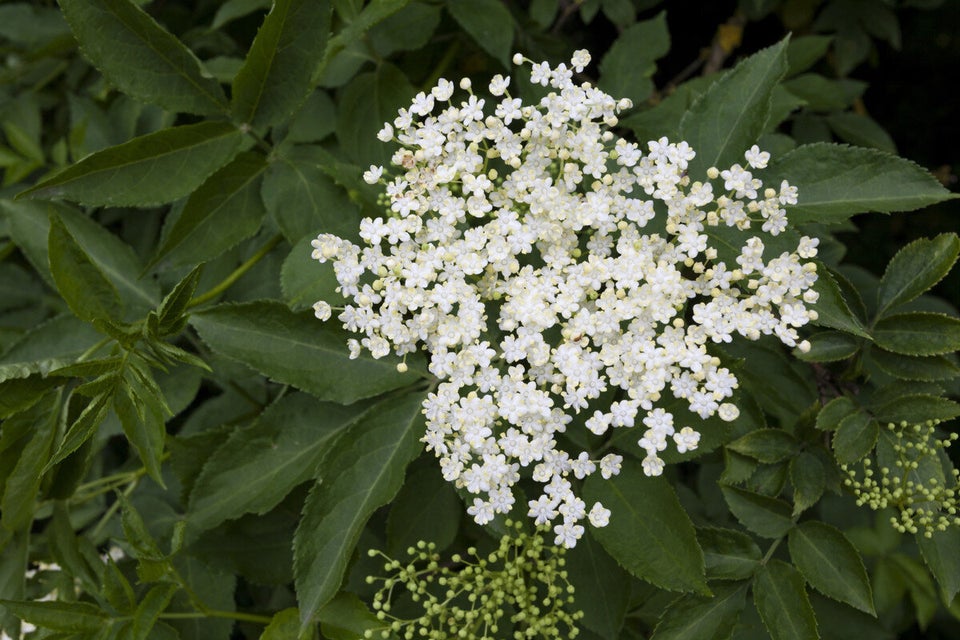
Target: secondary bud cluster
[
  {"x": 925, "y": 497},
  {"x": 541, "y": 260},
  {"x": 522, "y": 585}
]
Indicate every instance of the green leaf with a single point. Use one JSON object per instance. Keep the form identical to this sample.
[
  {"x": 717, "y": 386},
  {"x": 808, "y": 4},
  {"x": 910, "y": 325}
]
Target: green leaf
[
  {"x": 143, "y": 424},
  {"x": 765, "y": 516},
  {"x": 141, "y": 58},
  {"x": 19, "y": 394},
  {"x": 23, "y": 483},
  {"x": 304, "y": 280},
  {"x": 915, "y": 269},
  {"x": 117, "y": 589},
  {"x": 58, "y": 616},
  {"x": 361, "y": 473},
  {"x": 766, "y": 445},
  {"x": 80, "y": 281},
  {"x": 150, "y": 608},
  {"x": 855, "y": 437},
  {"x": 346, "y": 617},
  {"x": 829, "y": 346},
  {"x": 833, "y": 412},
  {"x": 831, "y": 564},
  {"x": 224, "y": 210},
  {"x": 916, "y": 409},
  {"x": 783, "y": 604},
  {"x": 54, "y": 344},
  {"x": 258, "y": 465},
  {"x": 283, "y": 626},
  {"x": 170, "y": 312},
  {"x": 918, "y": 333},
  {"x": 703, "y": 617},
  {"x": 137, "y": 535},
  {"x": 13, "y": 565},
  {"x": 823, "y": 94},
  {"x": 304, "y": 200},
  {"x": 728, "y": 554},
  {"x": 835, "y": 182},
  {"x": 832, "y": 307},
  {"x": 803, "y": 52},
  {"x": 922, "y": 368},
  {"x": 427, "y": 508},
  {"x": 276, "y": 75},
  {"x": 727, "y": 119},
  {"x": 860, "y": 130},
  {"x": 808, "y": 478},
  {"x": 84, "y": 427},
  {"x": 602, "y": 587},
  {"x": 628, "y": 64},
  {"x": 233, "y": 9},
  {"x": 299, "y": 350},
  {"x": 369, "y": 100},
  {"x": 488, "y": 22},
  {"x": 939, "y": 552},
  {"x": 150, "y": 170},
  {"x": 650, "y": 535},
  {"x": 409, "y": 29}
]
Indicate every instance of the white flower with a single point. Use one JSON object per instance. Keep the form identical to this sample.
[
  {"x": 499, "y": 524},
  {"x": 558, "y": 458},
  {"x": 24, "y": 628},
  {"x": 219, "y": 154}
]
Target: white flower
[
  {"x": 610, "y": 465},
  {"x": 686, "y": 440},
  {"x": 599, "y": 515},
  {"x": 372, "y": 175},
  {"x": 728, "y": 412},
  {"x": 322, "y": 310},
  {"x": 755, "y": 158},
  {"x": 550, "y": 252},
  {"x": 581, "y": 58},
  {"x": 499, "y": 84},
  {"x": 386, "y": 133}
]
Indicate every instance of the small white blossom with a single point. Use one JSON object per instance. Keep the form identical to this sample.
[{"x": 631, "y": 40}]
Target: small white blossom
[
  {"x": 599, "y": 515},
  {"x": 755, "y": 158},
  {"x": 372, "y": 175}
]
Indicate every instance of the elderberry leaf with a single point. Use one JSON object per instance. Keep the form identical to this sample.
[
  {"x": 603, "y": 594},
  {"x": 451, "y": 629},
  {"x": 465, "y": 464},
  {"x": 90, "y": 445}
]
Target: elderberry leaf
[
  {"x": 360, "y": 473},
  {"x": 141, "y": 58},
  {"x": 276, "y": 76},
  {"x": 782, "y": 602},
  {"x": 149, "y": 170},
  {"x": 224, "y": 210},
  {"x": 918, "y": 333},
  {"x": 726, "y": 120},
  {"x": 258, "y": 465},
  {"x": 831, "y": 564},
  {"x": 649, "y": 534},
  {"x": 837, "y": 181},
  {"x": 298, "y": 349},
  {"x": 916, "y": 267},
  {"x": 703, "y": 617}
]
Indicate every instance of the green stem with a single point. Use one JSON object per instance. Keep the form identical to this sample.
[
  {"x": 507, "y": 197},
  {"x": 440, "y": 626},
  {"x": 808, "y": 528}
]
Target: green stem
[
  {"x": 769, "y": 553},
  {"x": 112, "y": 509},
  {"x": 214, "y": 613},
  {"x": 237, "y": 273}
]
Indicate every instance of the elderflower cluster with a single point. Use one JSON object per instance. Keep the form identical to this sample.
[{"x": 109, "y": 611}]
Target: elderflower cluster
[
  {"x": 521, "y": 585},
  {"x": 916, "y": 487},
  {"x": 540, "y": 260}
]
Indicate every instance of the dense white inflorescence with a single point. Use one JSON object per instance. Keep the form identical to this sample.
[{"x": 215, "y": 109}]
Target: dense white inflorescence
[{"x": 518, "y": 250}]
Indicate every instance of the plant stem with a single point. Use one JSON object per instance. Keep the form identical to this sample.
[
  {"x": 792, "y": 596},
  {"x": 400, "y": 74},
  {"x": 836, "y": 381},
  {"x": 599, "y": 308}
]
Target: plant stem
[
  {"x": 214, "y": 613},
  {"x": 238, "y": 273},
  {"x": 111, "y": 510}
]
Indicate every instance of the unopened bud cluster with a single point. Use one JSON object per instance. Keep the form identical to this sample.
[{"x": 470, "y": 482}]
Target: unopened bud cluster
[
  {"x": 541, "y": 260},
  {"x": 520, "y": 588},
  {"x": 925, "y": 497}
]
